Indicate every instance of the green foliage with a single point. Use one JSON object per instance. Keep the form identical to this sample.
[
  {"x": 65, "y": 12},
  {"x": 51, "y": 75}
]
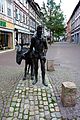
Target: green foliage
[{"x": 53, "y": 17}]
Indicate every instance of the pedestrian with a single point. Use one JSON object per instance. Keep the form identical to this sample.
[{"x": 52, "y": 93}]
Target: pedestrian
[{"x": 39, "y": 44}]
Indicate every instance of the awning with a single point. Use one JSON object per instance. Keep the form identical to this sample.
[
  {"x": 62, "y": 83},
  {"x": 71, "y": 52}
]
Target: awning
[
  {"x": 31, "y": 33},
  {"x": 22, "y": 31}
]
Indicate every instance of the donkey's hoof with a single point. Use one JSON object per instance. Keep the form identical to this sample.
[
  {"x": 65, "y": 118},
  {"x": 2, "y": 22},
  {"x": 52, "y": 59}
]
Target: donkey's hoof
[
  {"x": 32, "y": 78},
  {"x": 24, "y": 78}
]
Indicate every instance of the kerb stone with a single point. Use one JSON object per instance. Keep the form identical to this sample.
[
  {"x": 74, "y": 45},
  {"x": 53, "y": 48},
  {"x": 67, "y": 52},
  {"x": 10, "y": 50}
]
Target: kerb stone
[
  {"x": 68, "y": 95},
  {"x": 50, "y": 65}
]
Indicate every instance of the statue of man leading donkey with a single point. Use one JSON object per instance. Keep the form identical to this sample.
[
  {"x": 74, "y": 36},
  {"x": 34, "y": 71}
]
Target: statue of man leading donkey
[{"x": 32, "y": 55}]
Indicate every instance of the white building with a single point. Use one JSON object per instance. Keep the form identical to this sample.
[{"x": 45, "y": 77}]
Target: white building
[
  {"x": 6, "y": 24},
  {"x": 18, "y": 21}
]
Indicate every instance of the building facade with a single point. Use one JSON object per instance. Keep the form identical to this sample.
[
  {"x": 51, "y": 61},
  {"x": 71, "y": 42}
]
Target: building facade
[
  {"x": 18, "y": 21},
  {"x": 75, "y": 24},
  {"x": 68, "y": 31},
  {"x": 21, "y": 21}
]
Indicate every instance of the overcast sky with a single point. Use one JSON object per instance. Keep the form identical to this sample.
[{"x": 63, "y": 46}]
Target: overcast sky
[{"x": 67, "y": 6}]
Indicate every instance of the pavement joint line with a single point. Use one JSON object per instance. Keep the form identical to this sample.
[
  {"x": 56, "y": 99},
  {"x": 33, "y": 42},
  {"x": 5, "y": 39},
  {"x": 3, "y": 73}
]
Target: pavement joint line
[{"x": 7, "y": 51}]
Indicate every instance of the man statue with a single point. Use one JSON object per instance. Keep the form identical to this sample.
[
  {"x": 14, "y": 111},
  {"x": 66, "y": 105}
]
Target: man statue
[{"x": 39, "y": 45}]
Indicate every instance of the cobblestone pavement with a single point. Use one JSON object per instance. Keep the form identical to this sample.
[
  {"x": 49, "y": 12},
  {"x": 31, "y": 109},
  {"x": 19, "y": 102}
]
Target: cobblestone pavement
[
  {"x": 62, "y": 74},
  {"x": 32, "y": 102}
]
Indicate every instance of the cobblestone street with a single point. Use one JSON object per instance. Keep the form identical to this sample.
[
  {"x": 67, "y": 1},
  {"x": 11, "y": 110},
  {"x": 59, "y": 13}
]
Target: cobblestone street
[{"x": 20, "y": 100}]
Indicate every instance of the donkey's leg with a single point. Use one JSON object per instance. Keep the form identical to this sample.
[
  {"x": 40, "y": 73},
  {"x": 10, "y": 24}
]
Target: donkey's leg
[
  {"x": 24, "y": 78},
  {"x": 32, "y": 71},
  {"x": 28, "y": 68}
]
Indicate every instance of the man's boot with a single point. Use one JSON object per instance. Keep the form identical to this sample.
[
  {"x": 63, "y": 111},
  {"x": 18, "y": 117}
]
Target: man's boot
[
  {"x": 43, "y": 80},
  {"x": 44, "y": 83},
  {"x": 35, "y": 80},
  {"x": 32, "y": 77}
]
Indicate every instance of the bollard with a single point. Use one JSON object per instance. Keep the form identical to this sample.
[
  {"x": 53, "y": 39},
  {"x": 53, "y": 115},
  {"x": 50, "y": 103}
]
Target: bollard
[
  {"x": 68, "y": 95},
  {"x": 50, "y": 66}
]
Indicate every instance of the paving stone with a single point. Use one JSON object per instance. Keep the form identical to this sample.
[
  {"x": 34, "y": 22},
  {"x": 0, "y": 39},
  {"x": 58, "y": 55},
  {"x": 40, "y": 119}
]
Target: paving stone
[
  {"x": 11, "y": 109},
  {"x": 3, "y": 118},
  {"x": 31, "y": 113},
  {"x": 52, "y": 110},
  {"x": 25, "y": 117},
  {"x": 41, "y": 110},
  {"x": 58, "y": 115},
  {"x": 51, "y": 105},
  {"x": 41, "y": 114},
  {"x": 15, "y": 118},
  {"x": 18, "y": 100},
  {"x": 46, "y": 108},
  {"x": 16, "y": 109},
  {"x": 11, "y": 114},
  {"x": 53, "y": 114},
  {"x": 44, "y": 98},
  {"x": 40, "y": 102},
  {"x": 15, "y": 114},
  {"x": 13, "y": 104},
  {"x": 20, "y": 116},
  {"x": 26, "y": 111},
  {"x": 9, "y": 118},
  {"x": 54, "y": 119},
  {"x": 31, "y": 118},
  {"x": 36, "y": 107},
  {"x": 17, "y": 104},
  {"x": 41, "y": 119},
  {"x": 36, "y": 112},
  {"x": 57, "y": 109},
  {"x": 36, "y": 102},
  {"x": 14, "y": 99},
  {"x": 46, "y": 103}
]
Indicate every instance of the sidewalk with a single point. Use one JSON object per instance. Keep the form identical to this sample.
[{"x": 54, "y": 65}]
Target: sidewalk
[{"x": 33, "y": 102}]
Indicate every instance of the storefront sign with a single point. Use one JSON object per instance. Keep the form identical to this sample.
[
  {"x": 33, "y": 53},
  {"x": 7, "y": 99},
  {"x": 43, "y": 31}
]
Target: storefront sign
[{"x": 2, "y": 23}]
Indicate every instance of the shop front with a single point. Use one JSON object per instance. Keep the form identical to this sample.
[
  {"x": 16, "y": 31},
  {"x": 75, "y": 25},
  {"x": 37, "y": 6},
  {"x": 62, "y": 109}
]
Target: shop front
[
  {"x": 21, "y": 35},
  {"x": 6, "y": 35}
]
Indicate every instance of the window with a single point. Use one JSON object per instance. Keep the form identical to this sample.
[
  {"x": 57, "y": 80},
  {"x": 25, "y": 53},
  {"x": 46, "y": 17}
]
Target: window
[
  {"x": 23, "y": 18},
  {"x": 9, "y": 11},
  {"x": 16, "y": 12},
  {"x": 20, "y": 16},
  {"x": 9, "y": 8},
  {"x": 26, "y": 20},
  {"x": 1, "y": 7}
]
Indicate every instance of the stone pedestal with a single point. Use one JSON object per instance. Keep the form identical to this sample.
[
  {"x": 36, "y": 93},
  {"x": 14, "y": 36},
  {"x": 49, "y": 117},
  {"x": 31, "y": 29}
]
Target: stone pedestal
[
  {"x": 50, "y": 66},
  {"x": 68, "y": 95}
]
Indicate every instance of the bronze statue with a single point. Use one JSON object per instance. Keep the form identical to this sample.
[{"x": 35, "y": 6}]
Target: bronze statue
[{"x": 39, "y": 45}]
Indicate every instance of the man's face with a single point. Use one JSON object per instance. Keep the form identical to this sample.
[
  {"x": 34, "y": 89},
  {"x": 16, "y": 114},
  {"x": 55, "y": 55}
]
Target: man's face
[{"x": 39, "y": 32}]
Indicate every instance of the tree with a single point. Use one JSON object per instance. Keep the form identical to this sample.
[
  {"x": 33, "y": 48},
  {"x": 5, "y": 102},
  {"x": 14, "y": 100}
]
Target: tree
[{"x": 53, "y": 18}]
